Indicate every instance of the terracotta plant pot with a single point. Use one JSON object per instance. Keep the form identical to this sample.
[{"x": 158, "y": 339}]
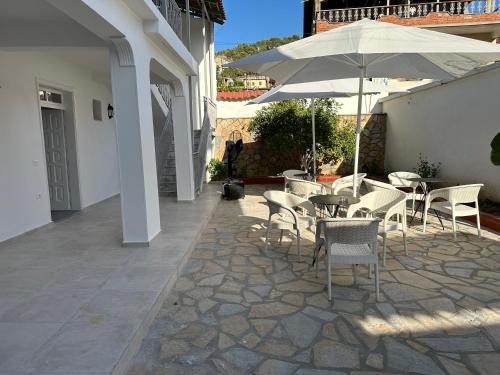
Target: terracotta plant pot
[{"x": 327, "y": 178}]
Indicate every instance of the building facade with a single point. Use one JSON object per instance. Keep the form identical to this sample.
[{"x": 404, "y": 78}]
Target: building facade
[
  {"x": 97, "y": 98},
  {"x": 479, "y": 19}
]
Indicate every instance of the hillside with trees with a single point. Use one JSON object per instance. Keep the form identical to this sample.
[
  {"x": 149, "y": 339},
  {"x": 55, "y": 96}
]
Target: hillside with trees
[{"x": 243, "y": 50}]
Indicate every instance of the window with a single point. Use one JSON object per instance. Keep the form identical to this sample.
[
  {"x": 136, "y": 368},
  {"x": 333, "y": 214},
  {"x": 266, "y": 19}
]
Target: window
[
  {"x": 97, "y": 109},
  {"x": 49, "y": 96}
]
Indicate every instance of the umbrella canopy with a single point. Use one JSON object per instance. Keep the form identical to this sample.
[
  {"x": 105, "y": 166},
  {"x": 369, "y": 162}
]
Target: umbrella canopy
[
  {"x": 372, "y": 49},
  {"x": 335, "y": 88}
]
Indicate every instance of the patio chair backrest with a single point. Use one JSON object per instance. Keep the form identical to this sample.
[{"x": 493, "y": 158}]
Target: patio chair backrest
[
  {"x": 400, "y": 179},
  {"x": 290, "y": 174},
  {"x": 350, "y": 231},
  {"x": 282, "y": 202},
  {"x": 374, "y": 185},
  {"x": 346, "y": 182},
  {"x": 458, "y": 194},
  {"x": 381, "y": 201},
  {"x": 304, "y": 188}
]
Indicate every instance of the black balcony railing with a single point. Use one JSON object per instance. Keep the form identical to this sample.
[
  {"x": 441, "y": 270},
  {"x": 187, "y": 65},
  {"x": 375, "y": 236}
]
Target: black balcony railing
[
  {"x": 455, "y": 7},
  {"x": 172, "y": 13}
]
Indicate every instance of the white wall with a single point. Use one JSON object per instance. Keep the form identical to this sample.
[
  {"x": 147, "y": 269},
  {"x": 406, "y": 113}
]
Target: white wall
[
  {"x": 24, "y": 201},
  {"x": 452, "y": 124},
  {"x": 348, "y": 106}
]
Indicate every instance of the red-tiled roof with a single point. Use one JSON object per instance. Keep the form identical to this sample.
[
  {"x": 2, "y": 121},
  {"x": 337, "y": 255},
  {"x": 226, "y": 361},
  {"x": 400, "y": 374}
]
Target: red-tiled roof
[{"x": 232, "y": 96}]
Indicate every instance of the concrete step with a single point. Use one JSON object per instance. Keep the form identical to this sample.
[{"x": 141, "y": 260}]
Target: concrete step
[
  {"x": 167, "y": 179},
  {"x": 167, "y": 187}
]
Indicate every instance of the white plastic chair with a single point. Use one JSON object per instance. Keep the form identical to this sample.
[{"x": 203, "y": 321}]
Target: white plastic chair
[
  {"x": 400, "y": 180},
  {"x": 374, "y": 185},
  {"x": 389, "y": 204},
  {"x": 283, "y": 215},
  {"x": 348, "y": 241},
  {"x": 305, "y": 189},
  {"x": 347, "y": 182},
  {"x": 453, "y": 205},
  {"x": 290, "y": 174}
]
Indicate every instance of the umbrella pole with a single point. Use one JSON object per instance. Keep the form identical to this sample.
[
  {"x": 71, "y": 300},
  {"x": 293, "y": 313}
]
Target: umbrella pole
[
  {"x": 313, "y": 114},
  {"x": 358, "y": 130}
]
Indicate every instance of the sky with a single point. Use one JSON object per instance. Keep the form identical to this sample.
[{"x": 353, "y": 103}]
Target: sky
[{"x": 251, "y": 20}]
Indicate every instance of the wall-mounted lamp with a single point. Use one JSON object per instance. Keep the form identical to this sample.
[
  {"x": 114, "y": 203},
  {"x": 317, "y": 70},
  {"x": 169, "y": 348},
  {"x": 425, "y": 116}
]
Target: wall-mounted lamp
[{"x": 111, "y": 111}]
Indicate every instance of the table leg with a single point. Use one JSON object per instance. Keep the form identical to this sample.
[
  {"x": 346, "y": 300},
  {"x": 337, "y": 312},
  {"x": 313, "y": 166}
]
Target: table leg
[
  {"x": 439, "y": 218},
  {"x": 336, "y": 211}
]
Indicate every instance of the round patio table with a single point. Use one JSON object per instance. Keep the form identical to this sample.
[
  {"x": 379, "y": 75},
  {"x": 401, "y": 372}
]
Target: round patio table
[
  {"x": 337, "y": 200},
  {"x": 425, "y": 184}
]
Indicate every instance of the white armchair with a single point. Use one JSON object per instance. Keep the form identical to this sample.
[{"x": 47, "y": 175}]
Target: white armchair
[
  {"x": 374, "y": 185},
  {"x": 283, "y": 215},
  {"x": 305, "y": 189},
  {"x": 290, "y": 174},
  {"x": 348, "y": 241},
  {"x": 400, "y": 180},
  {"x": 391, "y": 204},
  {"x": 454, "y": 197},
  {"x": 347, "y": 182}
]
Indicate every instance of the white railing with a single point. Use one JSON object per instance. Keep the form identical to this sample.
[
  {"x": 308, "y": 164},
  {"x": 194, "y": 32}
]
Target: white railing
[
  {"x": 167, "y": 133},
  {"x": 172, "y": 13},
  {"x": 414, "y": 10}
]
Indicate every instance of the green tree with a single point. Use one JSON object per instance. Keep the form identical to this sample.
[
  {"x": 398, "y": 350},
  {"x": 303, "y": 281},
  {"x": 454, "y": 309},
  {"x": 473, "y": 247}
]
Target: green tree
[{"x": 285, "y": 127}]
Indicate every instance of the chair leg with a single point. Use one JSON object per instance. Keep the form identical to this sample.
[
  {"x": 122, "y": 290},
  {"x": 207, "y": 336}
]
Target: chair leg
[
  {"x": 377, "y": 283},
  {"x": 281, "y": 236},
  {"x": 355, "y": 274},
  {"x": 478, "y": 224},
  {"x": 405, "y": 243},
  {"x": 298, "y": 245},
  {"x": 268, "y": 232},
  {"x": 425, "y": 217},
  {"x": 370, "y": 270},
  {"x": 385, "y": 249},
  {"x": 454, "y": 223}
]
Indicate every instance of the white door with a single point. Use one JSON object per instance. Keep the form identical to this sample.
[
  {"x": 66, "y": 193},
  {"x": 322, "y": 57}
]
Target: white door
[{"x": 55, "y": 153}]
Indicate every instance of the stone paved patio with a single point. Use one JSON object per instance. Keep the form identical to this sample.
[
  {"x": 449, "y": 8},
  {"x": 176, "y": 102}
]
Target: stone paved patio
[{"x": 237, "y": 309}]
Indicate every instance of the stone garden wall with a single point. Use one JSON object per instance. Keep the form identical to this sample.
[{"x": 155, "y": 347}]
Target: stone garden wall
[{"x": 257, "y": 160}]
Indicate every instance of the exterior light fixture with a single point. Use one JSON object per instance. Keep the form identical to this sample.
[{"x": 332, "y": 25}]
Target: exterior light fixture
[{"x": 111, "y": 111}]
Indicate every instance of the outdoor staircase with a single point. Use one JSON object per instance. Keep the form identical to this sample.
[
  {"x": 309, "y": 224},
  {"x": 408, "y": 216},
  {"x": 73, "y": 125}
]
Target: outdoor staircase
[
  {"x": 165, "y": 145},
  {"x": 164, "y": 139}
]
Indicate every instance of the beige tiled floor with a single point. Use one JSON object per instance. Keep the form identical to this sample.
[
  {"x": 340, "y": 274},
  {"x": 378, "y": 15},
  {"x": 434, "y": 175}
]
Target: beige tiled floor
[
  {"x": 240, "y": 309},
  {"x": 72, "y": 299}
]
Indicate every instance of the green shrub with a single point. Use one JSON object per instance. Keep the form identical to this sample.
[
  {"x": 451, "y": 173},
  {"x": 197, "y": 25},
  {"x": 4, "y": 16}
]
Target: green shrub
[
  {"x": 286, "y": 128},
  {"x": 217, "y": 170}
]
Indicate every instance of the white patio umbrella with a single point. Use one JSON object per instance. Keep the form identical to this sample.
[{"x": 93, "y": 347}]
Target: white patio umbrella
[
  {"x": 336, "y": 88},
  {"x": 372, "y": 49}
]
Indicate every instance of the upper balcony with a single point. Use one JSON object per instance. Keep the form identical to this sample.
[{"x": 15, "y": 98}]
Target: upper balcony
[
  {"x": 459, "y": 14},
  {"x": 172, "y": 11}
]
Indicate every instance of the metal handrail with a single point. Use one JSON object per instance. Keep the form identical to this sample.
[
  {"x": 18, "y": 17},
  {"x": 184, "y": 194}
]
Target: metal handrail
[
  {"x": 454, "y": 7},
  {"x": 200, "y": 155}
]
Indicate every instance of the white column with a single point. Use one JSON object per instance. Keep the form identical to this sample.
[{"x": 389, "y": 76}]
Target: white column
[
  {"x": 183, "y": 143},
  {"x": 136, "y": 147}
]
